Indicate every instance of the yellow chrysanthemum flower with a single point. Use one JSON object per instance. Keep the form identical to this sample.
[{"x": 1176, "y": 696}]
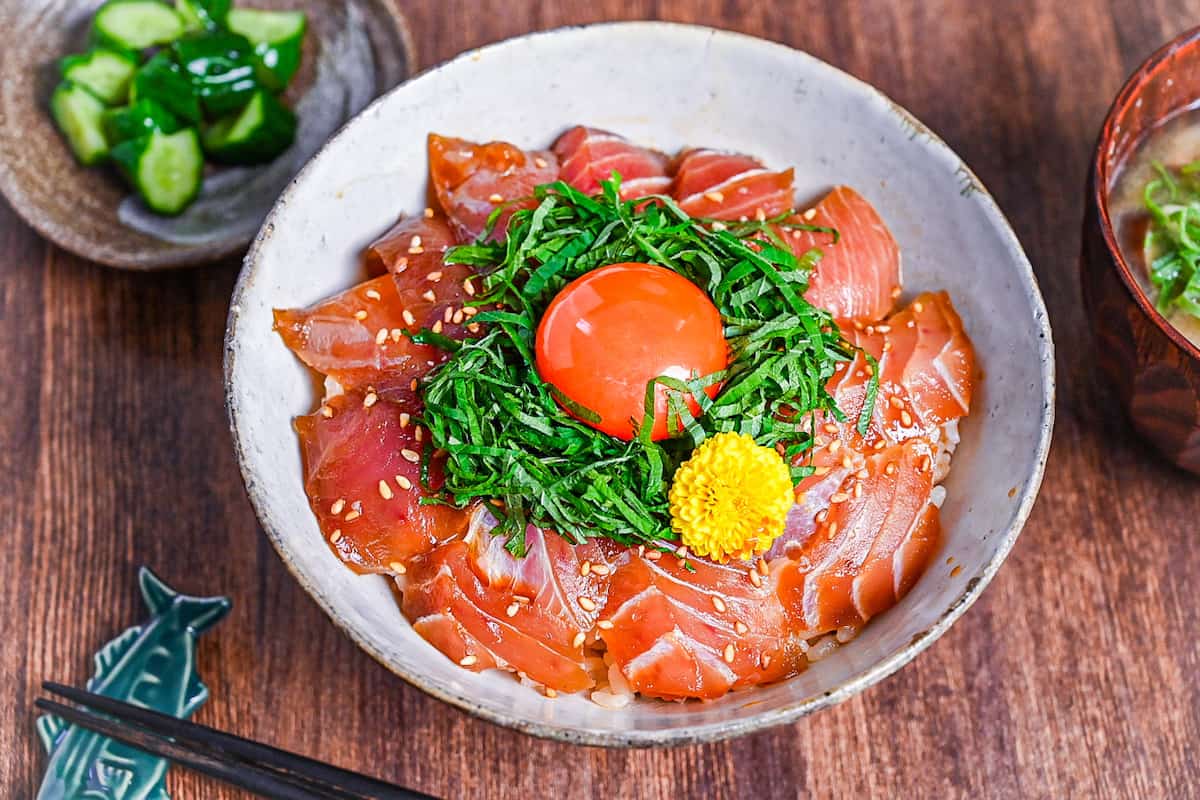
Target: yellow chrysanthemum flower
[{"x": 731, "y": 497}]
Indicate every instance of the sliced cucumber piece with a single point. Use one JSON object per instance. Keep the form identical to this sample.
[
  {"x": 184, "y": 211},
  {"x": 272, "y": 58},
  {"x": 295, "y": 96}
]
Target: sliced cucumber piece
[
  {"x": 136, "y": 24},
  {"x": 160, "y": 79},
  {"x": 263, "y": 130},
  {"x": 166, "y": 169},
  {"x": 138, "y": 120},
  {"x": 200, "y": 15},
  {"x": 105, "y": 73},
  {"x": 222, "y": 69},
  {"x": 278, "y": 38},
  {"x": 78, "y": 114}
]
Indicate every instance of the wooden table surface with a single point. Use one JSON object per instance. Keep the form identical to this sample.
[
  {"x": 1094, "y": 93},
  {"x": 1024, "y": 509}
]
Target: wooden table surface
[{"x": 1074, "y": 675}]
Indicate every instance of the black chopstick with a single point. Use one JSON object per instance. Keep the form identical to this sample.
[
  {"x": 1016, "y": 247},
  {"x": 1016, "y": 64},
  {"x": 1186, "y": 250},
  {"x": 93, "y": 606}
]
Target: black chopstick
[{"x": 251, "y": 765}]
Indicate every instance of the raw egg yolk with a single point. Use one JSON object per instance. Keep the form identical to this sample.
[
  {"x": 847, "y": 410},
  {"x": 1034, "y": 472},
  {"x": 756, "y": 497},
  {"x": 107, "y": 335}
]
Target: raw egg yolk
[{"x": 611, "y": 331}]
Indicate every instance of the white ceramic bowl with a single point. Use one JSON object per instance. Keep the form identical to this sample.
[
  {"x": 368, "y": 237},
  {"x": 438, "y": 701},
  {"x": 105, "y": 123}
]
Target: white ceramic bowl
[{"x": 667, "y": 86}]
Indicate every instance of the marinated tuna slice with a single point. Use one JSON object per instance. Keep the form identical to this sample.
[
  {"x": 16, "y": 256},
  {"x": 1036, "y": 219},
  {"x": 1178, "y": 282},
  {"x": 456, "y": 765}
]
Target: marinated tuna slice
[
  {"x": 473, "y": 180},
  {"x": 858, "y": 277},
  {"x": 931, "y": 357},
  {"x": 415, "y": 244},
  {"x": 729, "y": 186},
  {"x": 363, "y": 481},
  {"x": 926, "y": 366},
  {"x": 869, "y": 548},
  {"x": 677, "y": 634},
  {"x": 926, "y": 370},
  {"x": 485, "y": 608},
  {"x": 588, "y": 156},
  {"x": 357, "y": 338}
]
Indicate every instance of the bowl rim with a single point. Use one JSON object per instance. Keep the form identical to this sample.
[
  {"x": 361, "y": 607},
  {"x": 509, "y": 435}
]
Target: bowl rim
[
  {"x": 1099, "y": 191},
  {"x": 716, "y": 731},
  {"x": 182, "y": 256}
]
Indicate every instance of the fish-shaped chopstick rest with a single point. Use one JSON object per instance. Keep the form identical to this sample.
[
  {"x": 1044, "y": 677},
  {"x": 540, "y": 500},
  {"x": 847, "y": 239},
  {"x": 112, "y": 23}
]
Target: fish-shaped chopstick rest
[{"x": 151, "y": 665}]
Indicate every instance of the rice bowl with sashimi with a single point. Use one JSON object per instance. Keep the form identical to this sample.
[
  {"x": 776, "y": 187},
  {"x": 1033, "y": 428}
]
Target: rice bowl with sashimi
[
  {"x": 528, "y": 423},
  {"x": 637, "y": 419}
]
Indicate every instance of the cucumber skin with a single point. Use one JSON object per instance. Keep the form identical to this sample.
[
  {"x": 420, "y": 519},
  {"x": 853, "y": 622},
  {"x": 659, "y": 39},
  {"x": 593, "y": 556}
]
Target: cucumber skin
[
  {"x": 70, "y": 66},
  {"x": 280, "y": 60},
  {"x": 201, "y": 15},
  {"x": 221, "y": 68},
  {"x": 160, "y": 79},
  {"x": 275, "y": 135},
  {"x": 99, "y": 155},
  {"x": 137, "y": 120},
  {"x": 128, "y": 156},
  {"x": 102, "y": 39}
]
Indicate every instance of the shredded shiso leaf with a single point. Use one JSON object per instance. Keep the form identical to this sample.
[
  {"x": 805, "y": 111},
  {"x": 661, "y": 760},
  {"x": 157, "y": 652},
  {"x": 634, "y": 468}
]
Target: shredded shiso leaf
[
  {"x": 509, "y": 441},
  {"x": 1173, "y": 240}
]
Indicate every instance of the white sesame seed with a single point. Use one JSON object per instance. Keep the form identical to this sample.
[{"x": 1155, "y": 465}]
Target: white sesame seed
[
  {"x": 403, "y": 482},
  {"x": 585, "y": 568},
  {"x": 429, "y": 295},
  {"x": 718, "y": 604},
  {"x": 653, "y": 555},
  {"x": 808, "y": 215},
  {"x": 336, "y": 536},
  {"x": 838, "y": 497},
  {"x": 906, "y": 418},
  {"x": 740, "y": 627},
  {"x": 409, "y": 319},
  {"x": 474, "y": 327},
  {"x": 822, "y": 515},
  {"x": 404, "y": 419},
  {"x": 587, "y": 604},
  {"x": 716, "y": 197},
  {"x": 579, "y": 639},
  {"x": 338, "y": 506},
  {"x": 381, "y": 337},
  {"x": 397, "y": 335},
  {"x": 434, "y": 276},
  {"x": 719, "y": 226},
  {"x": 326, "y": 412},
  {"x": 411, "y": 455},
  {"x": 437, "y": 327},
  {"x": 760, "y": 215},
  {"x": 370, "y": 400},
  {"x": 728, "y": 653},
  {"x": 353, "y": 515},
  {"x": 401, "y": 265},
  {"x": 918, "y": 306},
  {"x": 883, "y": 328},
  {"x": 604, "y": 625},
  {"x": 457, "y": 317},
  {"x": 890, "y": 469},
  {"x": 373, "y": 295},
  {"x": 540, "y": 162},
  {"x": 755, "y": 579},
  {"x": 385, "y": 491},
  {"x": 600, "y": 569},
  {"x": 835, "y": 445},
  {"x": 468, "y": 287},
  {"x": 896, "y": 402},
  {"x": 469, "y": 311},
  {"x": 448, "y": 314},
  {"x": 360, "y": 315},
  {"x": 496, "y": 198},
  {"x": 397, "y": 568},
  {"x": 551, "y": 693},
  {"x": 416, "y": 251},
  {"x": 416, "y": 242},
  {"x": 468, "y": 661},
  {"x": 522, "y": 599},
  {"x": 428, "y": 213},
  {"x": 418, "y": 433},
  {"x": 512, "y": 609}
]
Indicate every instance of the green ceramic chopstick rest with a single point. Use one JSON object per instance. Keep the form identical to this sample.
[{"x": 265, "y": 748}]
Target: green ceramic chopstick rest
[{"x": 151, "y": 665}]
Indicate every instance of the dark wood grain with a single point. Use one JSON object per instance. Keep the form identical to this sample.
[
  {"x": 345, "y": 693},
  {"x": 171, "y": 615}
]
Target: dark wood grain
[{"x": 1074, "y": 675}]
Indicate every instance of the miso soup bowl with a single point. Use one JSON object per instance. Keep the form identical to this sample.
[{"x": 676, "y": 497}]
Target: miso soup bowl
[
  {"x": 707, "y": 87},
  {"x": 1154, "y": 369}
]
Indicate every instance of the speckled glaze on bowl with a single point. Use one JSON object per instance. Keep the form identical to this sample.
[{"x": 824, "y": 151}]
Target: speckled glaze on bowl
[
  {"x": 707, "y": 86},
  {"x": 354, "y": 51},
  {"x": 1153, "y": 367}
]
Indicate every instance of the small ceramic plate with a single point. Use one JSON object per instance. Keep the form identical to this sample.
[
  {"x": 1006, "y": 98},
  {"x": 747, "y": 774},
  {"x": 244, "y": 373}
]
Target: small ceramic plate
[
  {"x": 709, "y": 88},
  {"x": 354, "y": 51}
]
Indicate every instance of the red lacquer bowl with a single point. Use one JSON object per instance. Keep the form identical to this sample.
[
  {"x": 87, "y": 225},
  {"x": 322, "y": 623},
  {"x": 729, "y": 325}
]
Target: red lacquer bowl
[{"x": 1154, "y": 368}]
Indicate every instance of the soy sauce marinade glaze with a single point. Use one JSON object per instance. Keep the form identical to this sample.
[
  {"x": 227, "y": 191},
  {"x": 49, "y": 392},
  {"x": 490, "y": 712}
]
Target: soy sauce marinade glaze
[{"x": 1171, "y": 148}]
